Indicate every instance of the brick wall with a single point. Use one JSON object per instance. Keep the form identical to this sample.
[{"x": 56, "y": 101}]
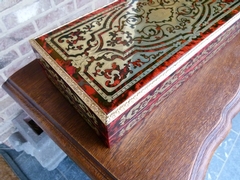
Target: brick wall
[{"x": 21, "y": 20}]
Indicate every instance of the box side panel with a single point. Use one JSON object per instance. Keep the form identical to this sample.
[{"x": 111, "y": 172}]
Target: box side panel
[
  {"x": 87, "y": 114},
  {"x": 137, "y": 113}
]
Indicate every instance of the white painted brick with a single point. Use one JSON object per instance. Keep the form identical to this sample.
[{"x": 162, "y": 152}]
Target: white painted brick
[
  {"x": 4, "y": 135},
  {"x": 3, "y": 93},
  {"x": 47, "y": 28},
  {"x": 25, "y": 48},
  {"x": 26, "y": 13},
  {"x": 6, "y": 59},
  {"x": 6, "y": 102},
  {"x": 5, "y": 4},
  {"x": 16, "y": 36},
  {"x": 23, "y": 32},
  {"x": 21, "y": 20},
  {"x": 6, "y": 42},
  {"x": 77, "y": 14},
  {"x": 55, "y": 15},
  {"x": 81, "y": 3},
  {"x": 1, "y": 80},
  {"x": 58, "y": 1},
  {"x": 18, "y": 64},
  {"x": 10, "y": 112},
  {"x": 99, "y": 4}
]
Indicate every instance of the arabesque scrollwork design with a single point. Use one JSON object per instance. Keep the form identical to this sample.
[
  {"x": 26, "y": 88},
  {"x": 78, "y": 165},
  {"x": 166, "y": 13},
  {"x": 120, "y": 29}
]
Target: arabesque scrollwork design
[{"x": 120, "y": 46}]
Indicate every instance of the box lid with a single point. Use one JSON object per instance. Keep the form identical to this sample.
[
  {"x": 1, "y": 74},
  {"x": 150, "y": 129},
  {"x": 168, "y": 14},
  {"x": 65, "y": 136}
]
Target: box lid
[{"x": 113, "y": 56}]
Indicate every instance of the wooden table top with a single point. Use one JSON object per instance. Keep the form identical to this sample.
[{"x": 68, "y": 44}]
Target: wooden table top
[{"x": 176, "y": 141}]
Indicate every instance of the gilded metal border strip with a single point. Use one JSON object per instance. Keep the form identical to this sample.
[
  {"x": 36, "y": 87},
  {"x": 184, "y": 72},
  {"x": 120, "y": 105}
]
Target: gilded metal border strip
[{"x": 108, "y": 118}]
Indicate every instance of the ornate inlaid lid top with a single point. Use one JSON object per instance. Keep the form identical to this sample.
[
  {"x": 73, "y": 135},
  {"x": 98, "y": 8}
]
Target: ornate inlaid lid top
[{"x": 117, "y": 50}]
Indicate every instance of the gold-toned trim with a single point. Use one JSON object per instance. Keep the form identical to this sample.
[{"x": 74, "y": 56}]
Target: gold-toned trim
[
  {"x": 85, "y": 98},
  {"x": 99, "y": 83},
  {"x": 108, "y": 118},
  {"x": 153, "y": 83}
]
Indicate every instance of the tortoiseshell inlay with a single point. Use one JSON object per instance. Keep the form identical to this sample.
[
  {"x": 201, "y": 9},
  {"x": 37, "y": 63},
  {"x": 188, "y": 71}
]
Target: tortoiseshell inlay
[
  {"x": 116, "y": 64},
  {"x": 115, "y": 51}
]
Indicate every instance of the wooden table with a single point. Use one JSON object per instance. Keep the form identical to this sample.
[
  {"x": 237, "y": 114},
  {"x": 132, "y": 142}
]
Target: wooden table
[{"x": 176, "y": 141}]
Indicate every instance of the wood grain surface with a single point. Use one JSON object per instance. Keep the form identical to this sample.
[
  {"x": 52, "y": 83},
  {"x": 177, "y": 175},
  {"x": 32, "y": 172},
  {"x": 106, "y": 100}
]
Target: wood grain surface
[{"x": 176, "y": 141}]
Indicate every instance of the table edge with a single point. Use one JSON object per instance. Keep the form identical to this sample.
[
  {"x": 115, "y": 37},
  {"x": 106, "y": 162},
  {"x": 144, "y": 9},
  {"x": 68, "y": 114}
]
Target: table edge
[
  {"x": 85, "y": 163},
  {"x": 96, "y": 170},
  {"x": 215, "y": 137}
]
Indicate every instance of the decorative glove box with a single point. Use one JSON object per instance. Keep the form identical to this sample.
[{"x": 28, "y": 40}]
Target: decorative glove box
[{"x": 117, "y": 64}]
